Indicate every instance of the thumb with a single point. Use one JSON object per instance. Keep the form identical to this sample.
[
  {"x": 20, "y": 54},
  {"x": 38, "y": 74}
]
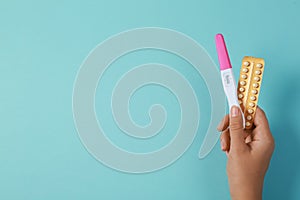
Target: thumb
[{"x": 236, "y": 129}]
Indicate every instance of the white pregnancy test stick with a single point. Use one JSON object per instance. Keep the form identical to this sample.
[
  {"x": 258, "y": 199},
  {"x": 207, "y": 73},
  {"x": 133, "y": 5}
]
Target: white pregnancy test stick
[{"x": 228, "y": 80}]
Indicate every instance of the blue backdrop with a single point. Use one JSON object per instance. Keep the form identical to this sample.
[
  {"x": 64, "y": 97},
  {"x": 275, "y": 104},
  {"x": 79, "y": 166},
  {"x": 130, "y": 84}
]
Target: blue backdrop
[{"x": 42, "y": 45}]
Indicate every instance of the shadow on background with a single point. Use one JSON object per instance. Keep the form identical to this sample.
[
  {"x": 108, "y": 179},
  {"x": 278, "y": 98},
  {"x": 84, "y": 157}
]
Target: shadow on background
[{"x": 281, "y": 180}]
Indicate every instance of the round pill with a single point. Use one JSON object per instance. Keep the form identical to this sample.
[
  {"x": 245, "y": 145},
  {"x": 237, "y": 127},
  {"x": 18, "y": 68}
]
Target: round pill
[
  {"x": 246, "y": 63},
  {"x": 251, "y": 104},
  {"x": 258, "y": 72},
  {"x": 255, "y": 85},
  {"x": 240, "y": 102},
  {"x": 243, "y": 82},
  {"x": 253, "y": 98},
  {"x": 248, "y": 123},
  {"x": 250, "y": 111},
  {"x": 259, "y": 65},
  {"x": 244, "y": 76},
  {"x": 254, "y": 91},
  {"x": 256, "y": 78},
  {"x": 249, "y": 117},
  {"x": 245, "y": 70},
  {"x": 241, "y": 96},
  {"x": 242, "y": 89}
]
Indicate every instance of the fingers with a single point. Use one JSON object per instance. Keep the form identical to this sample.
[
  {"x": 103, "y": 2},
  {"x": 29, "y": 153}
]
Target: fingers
[
  {"x": 224, "y": 123},
  {"x": 260, "y": 119},
  {"x": 262, "y": 130},
  {"x": 236, "y": 129},
  {"x": 225, "y": 140}
]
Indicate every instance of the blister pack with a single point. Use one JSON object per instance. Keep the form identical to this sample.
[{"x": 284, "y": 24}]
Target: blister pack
[{"x": 249, "y": 85}]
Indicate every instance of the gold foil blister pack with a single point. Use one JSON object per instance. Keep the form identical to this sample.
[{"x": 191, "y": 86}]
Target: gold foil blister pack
[{"x": 249, "y": 87}]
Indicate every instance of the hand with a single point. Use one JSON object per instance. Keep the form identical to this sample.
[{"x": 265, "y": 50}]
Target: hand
[{"x": 249, "y": 153}]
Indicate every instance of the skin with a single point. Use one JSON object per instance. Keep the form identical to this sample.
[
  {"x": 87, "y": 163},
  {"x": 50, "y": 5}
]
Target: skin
[{"x": 248, "y": 153}]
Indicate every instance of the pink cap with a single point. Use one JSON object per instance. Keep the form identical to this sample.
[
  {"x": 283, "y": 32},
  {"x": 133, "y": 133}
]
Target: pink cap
[{"x": 222, "y": 52}]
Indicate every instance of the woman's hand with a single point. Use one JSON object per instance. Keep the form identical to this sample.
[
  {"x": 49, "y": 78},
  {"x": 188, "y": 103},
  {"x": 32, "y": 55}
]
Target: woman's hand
[{"x": 248, "y": 152}]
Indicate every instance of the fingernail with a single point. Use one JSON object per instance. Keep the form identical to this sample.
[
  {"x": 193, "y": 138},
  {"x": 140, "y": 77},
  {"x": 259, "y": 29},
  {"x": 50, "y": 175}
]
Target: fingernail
[{"x": 234, "y": 111}]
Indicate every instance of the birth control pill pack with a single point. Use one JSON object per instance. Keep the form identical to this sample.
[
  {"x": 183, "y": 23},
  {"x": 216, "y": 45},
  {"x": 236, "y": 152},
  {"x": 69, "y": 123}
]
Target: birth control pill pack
[{"x": 249, "y": 85}]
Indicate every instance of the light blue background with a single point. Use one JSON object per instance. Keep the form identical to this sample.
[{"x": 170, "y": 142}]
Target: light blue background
[{"x": 42, "y": 46}]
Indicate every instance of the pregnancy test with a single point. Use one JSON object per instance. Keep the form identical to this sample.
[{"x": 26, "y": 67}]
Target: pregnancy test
[{"x": 227, "y": 76}]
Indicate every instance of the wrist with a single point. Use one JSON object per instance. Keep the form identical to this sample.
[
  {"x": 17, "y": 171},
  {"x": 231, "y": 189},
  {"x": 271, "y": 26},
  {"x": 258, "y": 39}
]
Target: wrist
[{"x": 247, "y": 191}]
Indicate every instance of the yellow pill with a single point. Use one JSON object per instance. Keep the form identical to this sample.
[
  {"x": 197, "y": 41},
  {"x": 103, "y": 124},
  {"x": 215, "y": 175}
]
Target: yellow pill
[
  {"x": 240, "y": 102},
  {"x": 242, "y": 89},
  {"x": 248, "y": 123},
  {"x": 250, "y": 111},
  {"x": 246, "y": 63},
  {"x": 254, "y": 91},
  {"x": 245, "y": 70},
  {"x": 249, "y": 117},
  {"x": 241, "y": 96},
  {"x": 259, "y": 65},
  {"x": 251, "y": 104},
  {"x": 243, "y": 82},
  {"x": 253, "y": 98},
  {"x": 244, "y": 76},
  {"x": 256, "y": 78},
  {"x": 258, "y": 72},
  {"x": 255, "y": 85}
]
